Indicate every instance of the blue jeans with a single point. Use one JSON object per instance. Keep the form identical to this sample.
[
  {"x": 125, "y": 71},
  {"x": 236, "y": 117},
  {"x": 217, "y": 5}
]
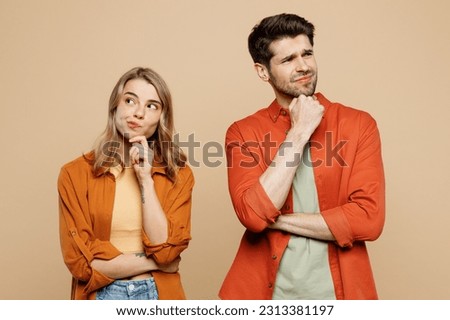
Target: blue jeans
[{"x": 129, "y": 290}]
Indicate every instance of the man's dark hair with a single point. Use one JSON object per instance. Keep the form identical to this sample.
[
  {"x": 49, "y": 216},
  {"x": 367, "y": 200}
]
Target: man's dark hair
[{"x": 275, "y": 28}]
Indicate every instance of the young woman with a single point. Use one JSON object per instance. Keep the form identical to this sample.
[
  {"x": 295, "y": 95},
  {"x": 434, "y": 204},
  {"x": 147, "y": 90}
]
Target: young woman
[{"x": 125, "y": 206}]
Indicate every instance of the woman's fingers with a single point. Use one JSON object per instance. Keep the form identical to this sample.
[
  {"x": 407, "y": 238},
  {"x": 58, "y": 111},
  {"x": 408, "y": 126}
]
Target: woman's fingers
[{"x": 140, "y": 150}]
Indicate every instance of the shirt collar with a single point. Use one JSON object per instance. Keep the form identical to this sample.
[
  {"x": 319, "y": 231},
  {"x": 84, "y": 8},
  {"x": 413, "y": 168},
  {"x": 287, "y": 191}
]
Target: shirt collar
[{"x": 275, "y": 109}]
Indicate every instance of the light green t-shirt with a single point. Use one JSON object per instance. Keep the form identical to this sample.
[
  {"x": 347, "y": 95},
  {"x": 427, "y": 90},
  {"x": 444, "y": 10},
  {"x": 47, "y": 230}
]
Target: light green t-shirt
[{"x": 304, "y": 271}]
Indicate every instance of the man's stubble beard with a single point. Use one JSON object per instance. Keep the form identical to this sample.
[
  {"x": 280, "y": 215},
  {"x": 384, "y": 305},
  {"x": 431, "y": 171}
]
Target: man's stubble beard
[{"x": 293, "y": 92}]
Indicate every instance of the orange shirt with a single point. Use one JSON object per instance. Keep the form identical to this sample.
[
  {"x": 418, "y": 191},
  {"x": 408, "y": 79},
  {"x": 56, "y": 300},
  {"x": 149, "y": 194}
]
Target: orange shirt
[
  {"x": 85, "y": 213},
  {"x": 349, "y": 176}
]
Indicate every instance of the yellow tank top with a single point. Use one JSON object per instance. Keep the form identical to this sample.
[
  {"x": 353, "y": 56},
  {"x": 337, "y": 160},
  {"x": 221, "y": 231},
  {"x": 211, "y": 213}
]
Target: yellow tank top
[{"x": 126, "y": 226}]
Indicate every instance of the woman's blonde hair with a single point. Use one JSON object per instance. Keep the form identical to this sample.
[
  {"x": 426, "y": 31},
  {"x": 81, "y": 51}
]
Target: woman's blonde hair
[{"x": 166, "y": 153}]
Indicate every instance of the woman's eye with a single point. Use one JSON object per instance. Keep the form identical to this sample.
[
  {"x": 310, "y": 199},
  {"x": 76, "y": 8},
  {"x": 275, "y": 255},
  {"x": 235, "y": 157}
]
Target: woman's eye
[
  {"x": 152, "y": 106},
  {"x": 129, "y": 101}
]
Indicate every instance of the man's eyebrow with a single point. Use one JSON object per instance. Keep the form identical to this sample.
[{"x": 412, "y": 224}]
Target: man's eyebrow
[
  {"x": 293, "y": 55},
  {"x": 289, "y": 57}
]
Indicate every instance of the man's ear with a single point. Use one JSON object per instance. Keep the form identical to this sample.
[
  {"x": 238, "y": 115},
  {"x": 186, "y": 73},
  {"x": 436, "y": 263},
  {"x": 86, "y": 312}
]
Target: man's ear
[{"x": 262, "y": 72}]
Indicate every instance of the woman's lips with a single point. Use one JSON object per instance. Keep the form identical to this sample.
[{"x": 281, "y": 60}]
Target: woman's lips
[{"x": 133, "y": 125}]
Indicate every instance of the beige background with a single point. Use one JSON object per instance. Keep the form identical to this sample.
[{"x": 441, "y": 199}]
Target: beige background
[{"x": 59, "y": 61}]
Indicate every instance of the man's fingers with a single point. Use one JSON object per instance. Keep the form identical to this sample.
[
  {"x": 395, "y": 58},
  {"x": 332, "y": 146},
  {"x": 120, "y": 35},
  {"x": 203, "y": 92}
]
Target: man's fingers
[{"x": 292, "y": 104}]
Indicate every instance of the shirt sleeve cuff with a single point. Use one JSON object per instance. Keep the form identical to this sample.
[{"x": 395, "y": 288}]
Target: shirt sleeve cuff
[
  {"x": 339, "y": 226},
  {"x": 262, "y": 207}
]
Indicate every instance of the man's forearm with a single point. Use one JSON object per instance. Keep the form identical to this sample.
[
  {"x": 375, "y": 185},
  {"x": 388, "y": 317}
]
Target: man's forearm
[
  {"x": 277, "y": 179},
  {"x": 310, "y": 225}
]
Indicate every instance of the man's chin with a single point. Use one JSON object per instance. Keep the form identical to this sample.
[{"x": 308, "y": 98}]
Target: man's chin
[{"x": 308, "y": 93}]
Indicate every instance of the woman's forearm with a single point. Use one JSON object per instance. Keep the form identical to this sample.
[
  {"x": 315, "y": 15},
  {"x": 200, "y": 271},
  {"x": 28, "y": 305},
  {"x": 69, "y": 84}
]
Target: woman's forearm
[
  {"x": 154, "y": 220},
  {"x": 125, "y": 265}
]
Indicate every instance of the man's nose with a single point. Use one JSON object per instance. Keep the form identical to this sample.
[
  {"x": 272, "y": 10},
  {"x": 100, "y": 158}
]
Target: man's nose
[{"x": 301, "y": 66}]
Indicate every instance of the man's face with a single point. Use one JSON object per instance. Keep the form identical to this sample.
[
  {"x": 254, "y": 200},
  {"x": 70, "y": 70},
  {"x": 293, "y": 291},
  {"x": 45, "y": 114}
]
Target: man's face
[{"x": 293, "y": 68}]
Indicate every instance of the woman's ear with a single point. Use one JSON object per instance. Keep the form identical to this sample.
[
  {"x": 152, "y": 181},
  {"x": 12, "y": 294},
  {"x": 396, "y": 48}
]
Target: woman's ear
[{"x": 262, "y": 72}]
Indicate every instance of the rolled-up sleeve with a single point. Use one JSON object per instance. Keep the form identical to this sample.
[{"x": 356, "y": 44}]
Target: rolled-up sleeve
[
  {"x": 362, "y": 216},
  {"x": 176, "y": 201},
  {"x": 251, "y": 203},
  {"x": 78, "y": 243}
]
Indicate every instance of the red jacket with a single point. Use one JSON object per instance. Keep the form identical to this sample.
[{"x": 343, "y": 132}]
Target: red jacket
[{"x": 349, "y": 177}]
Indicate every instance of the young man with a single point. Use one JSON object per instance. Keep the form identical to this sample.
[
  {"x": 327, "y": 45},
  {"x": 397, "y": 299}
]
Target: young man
[{"x": 306, "y": 180}]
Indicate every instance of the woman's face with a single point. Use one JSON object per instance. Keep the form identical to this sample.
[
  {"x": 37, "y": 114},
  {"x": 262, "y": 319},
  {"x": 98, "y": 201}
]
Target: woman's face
[{"x": 139, "y": 109}]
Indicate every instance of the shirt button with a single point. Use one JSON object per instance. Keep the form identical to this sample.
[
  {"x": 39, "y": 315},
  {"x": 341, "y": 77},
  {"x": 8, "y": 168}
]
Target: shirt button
[
  {"x": 131, "y": 287},
  {"x": 274, "y": 257},
  {"x": 270, "y": 285},
  {"x": 283, "y": 112}
]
